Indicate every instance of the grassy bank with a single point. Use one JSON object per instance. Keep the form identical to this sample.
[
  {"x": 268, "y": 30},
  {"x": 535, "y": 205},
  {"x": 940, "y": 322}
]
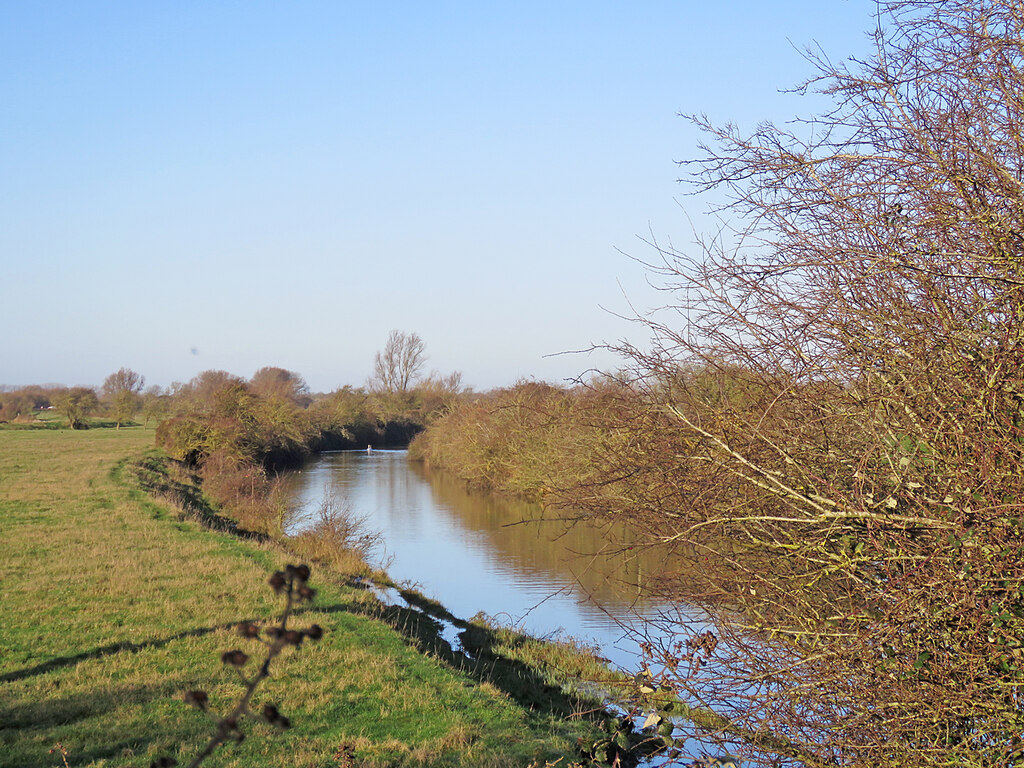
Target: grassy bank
[{"x": 114, "y": 606}]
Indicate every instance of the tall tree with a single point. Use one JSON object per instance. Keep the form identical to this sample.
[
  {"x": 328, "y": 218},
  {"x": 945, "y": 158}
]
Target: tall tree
[
  {"x": 122, "y": 388},
  {"x": 399, "y": 364}
]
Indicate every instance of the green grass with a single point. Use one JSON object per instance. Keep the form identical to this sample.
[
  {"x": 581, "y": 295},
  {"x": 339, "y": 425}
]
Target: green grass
[{"x": 112, "y": 606}]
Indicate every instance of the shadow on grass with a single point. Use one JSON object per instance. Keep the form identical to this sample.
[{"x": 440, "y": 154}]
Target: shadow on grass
[
  {"x": 82, "y": 721},
  {"x": 126, "y": 646},
  {"x": 422, "y": 624},
  {"x": 153, "y": 476},
  {"x": 65, "y": 710}
]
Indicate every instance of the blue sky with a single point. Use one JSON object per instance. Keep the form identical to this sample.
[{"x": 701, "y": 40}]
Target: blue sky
[{"x": 196, "y": 185}]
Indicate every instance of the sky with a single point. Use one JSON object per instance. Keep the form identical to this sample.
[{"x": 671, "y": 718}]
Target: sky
[{"x": 196, "y": 185}]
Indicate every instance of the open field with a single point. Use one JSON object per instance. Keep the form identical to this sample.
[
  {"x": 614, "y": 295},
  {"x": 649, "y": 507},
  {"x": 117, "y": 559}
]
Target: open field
[{"x": 113, "y": 606}]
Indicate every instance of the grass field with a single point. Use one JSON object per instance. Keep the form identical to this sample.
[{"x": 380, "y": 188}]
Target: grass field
[{"x": 112, "y": 606}]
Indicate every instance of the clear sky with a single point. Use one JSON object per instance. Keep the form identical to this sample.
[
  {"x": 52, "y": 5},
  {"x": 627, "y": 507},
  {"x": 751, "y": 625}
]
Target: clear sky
[{"x": 193, "y": 185}]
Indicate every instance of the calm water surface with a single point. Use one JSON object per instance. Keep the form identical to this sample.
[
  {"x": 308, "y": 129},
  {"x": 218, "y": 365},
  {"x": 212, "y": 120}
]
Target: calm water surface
[{"x": 476, "y": 552}]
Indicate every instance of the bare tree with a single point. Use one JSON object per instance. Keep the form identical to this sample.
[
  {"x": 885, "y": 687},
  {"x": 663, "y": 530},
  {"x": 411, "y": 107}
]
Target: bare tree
[
  {"x": 122, "y": 388},
  {"x": 832, "y": 427},
  {"x": 399, "y": 364},
  {"x": 156, "y": 404}
]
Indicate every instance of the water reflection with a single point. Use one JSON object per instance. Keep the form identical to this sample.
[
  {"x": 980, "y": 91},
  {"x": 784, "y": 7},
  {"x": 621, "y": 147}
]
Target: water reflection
[
  {"x": 599, "y": 564},
  {"x": 479, "y": 553}
]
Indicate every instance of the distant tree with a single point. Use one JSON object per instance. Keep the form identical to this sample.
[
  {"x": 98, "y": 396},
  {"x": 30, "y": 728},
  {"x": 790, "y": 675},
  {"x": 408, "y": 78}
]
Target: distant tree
[
  {"x": 76, "y": 403},
  {"x": 436, "y": 393},
  {"x": 399, "y": 364},
  {"x": 15, "y": 403},
  {"x": 40, "y": 395},
  {"x": 273, "y": 382},
  {"x": 156, "y": 404},
  {"x": 122, "y": 389},
  {"x": 18, "y": 403}
]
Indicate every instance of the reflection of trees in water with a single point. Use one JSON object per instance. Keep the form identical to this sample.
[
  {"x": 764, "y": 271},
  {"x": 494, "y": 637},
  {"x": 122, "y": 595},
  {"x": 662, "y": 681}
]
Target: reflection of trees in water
[
  {"x": 605, "y": 562},
  {"x": 398, "y": 493}
]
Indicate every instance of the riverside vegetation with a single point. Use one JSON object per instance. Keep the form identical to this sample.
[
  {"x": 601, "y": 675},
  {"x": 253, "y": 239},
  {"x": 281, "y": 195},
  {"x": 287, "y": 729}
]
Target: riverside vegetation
[{"x": 829, "y": 424}]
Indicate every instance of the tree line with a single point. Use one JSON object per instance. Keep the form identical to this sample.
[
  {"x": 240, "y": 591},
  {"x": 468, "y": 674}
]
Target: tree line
[
  {"x": 120, "y": 398},
  {"x": 397, "y": 397},
  {"x": 237, "y": 433}
]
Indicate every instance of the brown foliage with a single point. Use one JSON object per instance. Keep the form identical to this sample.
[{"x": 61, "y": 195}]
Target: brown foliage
[
  {"x": 272, "y": 382},
  {"x": 18, "y": 403},
  {"x": 519, "y": 440},
  {"x": 15, "y": 405},
  {"x": 830, "y": 423},
  {"x": 835, "y": 427},
  {"x": 251, "y": 496},
  {"x": 217, "y": 413},
  {"x": 338, "y": 538}
]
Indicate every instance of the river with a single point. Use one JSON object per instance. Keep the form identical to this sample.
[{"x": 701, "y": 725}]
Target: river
[{"x": 480, "y": 553}]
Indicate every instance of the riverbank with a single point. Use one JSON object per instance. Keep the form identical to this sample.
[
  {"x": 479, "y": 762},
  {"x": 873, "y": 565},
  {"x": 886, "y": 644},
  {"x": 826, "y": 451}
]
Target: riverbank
[
  {"x": 479, "y": 552},
  {"x": 115, "y": 605}
]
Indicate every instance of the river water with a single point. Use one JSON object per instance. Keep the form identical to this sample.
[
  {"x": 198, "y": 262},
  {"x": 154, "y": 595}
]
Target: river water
[{"x": 479, "y": 553}]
